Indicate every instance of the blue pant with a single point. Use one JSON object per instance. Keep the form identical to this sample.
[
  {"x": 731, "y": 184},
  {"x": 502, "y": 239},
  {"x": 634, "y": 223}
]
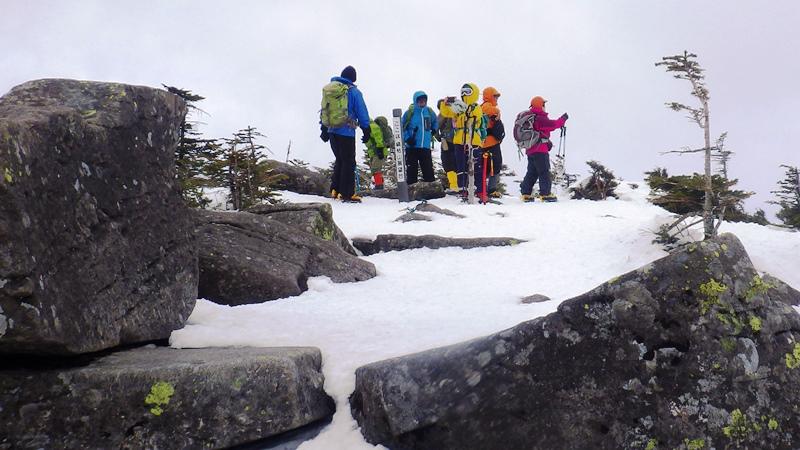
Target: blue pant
[{"x": 538, "y": 169}]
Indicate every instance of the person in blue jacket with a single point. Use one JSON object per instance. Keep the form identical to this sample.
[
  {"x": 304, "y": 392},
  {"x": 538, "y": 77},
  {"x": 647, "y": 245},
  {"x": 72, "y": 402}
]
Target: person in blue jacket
[
  {"x": 420, "y": 124},
  {"x": 343, "y": 139}
]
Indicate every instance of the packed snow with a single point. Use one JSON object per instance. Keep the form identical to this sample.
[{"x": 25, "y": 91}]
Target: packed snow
[{"x": 425, "y": 298}]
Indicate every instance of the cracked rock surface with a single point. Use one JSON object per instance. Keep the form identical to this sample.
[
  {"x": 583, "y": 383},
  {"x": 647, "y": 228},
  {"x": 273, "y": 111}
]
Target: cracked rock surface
[
  {"x": 251, "y": 258},
  {"x": 163, "y": 398},
  {"x": 399, "y": 242},
  {"x": 96, "y": 248},
  {"x": 693, "y": 347}
]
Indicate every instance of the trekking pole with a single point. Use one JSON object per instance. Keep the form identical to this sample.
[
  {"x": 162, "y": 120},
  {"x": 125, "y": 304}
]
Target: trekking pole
[
  {"x": 561, "y": 158},
  {"x": 357, "y": 178}
]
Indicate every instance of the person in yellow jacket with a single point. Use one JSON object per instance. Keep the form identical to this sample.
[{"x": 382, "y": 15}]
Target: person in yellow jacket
[
  {"x": 446, "y": 133},
  {"x": 466, "y": 114}
]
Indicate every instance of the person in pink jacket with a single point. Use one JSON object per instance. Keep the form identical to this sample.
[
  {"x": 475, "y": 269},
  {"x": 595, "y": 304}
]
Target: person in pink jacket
[{"x": 539, "y": 153}]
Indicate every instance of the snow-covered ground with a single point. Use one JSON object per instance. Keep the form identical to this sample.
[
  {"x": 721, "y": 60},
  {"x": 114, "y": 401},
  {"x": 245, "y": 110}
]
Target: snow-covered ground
[{"x": 429, "y": 298}]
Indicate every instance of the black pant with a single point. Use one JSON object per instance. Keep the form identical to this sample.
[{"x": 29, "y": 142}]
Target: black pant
[
  {"x": 416, "y": 158},
  {"x": 538, "y": 168},
  {"x": 462, "y": 164},
  {"x": 494, "y": 163},
  {"x": 449, "y": 158},
  {"x": 343, "y": 179}
]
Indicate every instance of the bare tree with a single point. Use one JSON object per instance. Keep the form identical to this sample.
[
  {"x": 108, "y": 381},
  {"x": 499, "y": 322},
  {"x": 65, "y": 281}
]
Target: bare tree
[{"x": 685, "y": 67}]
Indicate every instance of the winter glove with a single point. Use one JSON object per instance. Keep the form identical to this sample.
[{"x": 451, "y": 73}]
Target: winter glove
[
  {"x": 367, "y": 134},
  {"x": 564, "y": 116},
  {"x": 413, "y": 138},
  {"x": 324, "y": 133},
  {"x": 459, "y": 107}
]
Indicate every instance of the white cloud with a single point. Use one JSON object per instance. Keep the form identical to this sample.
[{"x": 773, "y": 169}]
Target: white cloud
[{"x": 264, "y": 63}]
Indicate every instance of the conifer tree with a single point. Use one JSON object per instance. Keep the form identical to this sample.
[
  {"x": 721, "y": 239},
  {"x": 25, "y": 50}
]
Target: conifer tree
[
  {"x": 721, "y": 155},
  {"x": 788, "y": 194},
  {"x": 685, "y": 194},
  {"x": 193, "y": 155},
  {"x": 600, "y": 184},
  {"x": 685, "y": 67},
  {"x": 245, "y": 170}
]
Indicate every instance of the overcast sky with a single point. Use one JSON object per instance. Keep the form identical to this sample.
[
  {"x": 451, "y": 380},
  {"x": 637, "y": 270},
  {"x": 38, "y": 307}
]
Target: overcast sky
[{"x": 263, "y": 63}]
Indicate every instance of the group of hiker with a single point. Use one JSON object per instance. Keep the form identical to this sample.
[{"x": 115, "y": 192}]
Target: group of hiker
[{"x": 465, "y": 129}]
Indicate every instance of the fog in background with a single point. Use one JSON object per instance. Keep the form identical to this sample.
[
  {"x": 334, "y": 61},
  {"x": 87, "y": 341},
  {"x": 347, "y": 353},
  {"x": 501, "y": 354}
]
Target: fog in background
[{"x": 264, "y": 64}]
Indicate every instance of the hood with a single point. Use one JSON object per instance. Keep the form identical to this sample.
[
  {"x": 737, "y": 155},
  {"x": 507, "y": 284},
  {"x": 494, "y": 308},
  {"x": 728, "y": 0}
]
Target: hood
[
  {"x": 419, "y": 94},
  {"x": 488, "y": 95},
  {"x": 382, "y": 121},
  {"x": 343, "y": 80},
  {"x": 472, "y": 97}
]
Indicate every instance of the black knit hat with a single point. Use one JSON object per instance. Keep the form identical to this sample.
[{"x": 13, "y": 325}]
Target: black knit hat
[{"x": 350, "y": 73}]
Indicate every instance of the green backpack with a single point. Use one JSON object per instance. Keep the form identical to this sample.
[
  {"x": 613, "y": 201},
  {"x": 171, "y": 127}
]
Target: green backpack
[
  {"x": 334, "y": 105},
  {"x": 482, "y": 128}
]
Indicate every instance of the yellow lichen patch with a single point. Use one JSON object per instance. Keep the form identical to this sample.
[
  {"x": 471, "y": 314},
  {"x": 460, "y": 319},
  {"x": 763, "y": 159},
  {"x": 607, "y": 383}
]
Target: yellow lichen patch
[
  {"x": 695, "y": 444},
  {"x": 793, "y": 357},
  {"x": 757, "y": 287},
  {"x": 652, "y": 444},
  {"x": 755, "y": 323},
  {"x": 159, "y": 396},
  {"x": 8, "y": 176},
  {"x": 728, "y": 344},
  {"x": 711, "y": 291},
  {"x": 738, "y": 427}
]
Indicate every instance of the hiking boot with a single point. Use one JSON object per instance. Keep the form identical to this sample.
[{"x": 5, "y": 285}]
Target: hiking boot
[
  {"x": 549, "y": 198},
  {"x": 527, "y": 198},
  {"x": 334, "y": 194},
  {"x": 451, "y": 191},
  {"x": 352, "y": 199},
  {"x": 496, "y": 194}
]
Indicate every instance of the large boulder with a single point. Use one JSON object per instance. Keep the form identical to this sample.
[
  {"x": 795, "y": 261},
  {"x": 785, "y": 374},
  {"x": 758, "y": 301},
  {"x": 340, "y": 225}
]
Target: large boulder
[
  {"x": 300, "y": 179},
  {"x": 692, "y": 351},
  {"x": 250, "y": 258},
  {"x": 313, "y": 218},
  {"x": 164, "y": 398},
  {"x": 96, "y": 246},
  {"x": 398, "y": 242}
]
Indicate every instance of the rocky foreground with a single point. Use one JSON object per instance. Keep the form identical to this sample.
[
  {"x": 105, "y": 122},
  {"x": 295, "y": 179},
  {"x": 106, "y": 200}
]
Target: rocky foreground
[
  {"x": 98, "y": 251},
  {"x": 693, "y": 351}
]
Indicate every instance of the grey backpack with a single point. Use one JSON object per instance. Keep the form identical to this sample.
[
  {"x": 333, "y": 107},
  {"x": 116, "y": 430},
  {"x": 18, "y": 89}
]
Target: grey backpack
[{"x": 524, "y": 133}]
